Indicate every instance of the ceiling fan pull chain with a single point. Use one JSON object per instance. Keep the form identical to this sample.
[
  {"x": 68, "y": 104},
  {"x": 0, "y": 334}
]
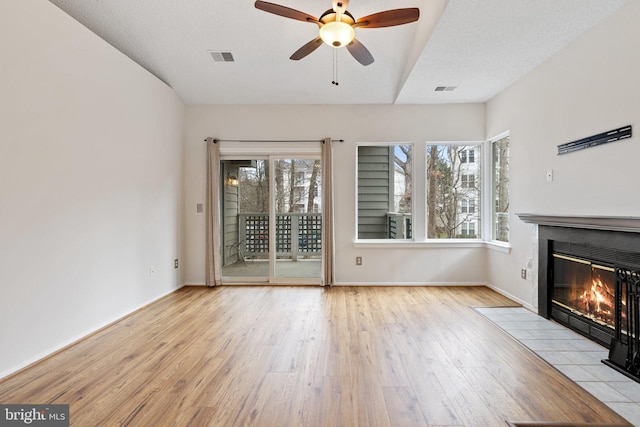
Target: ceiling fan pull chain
[{"x": 335, "y": 68}]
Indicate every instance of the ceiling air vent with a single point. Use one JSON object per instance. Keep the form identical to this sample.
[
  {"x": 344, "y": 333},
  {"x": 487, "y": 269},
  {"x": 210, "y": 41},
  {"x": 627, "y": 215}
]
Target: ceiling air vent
[
  {"x": 445, "y": 88},
  {"x": 219, "y": 56}
]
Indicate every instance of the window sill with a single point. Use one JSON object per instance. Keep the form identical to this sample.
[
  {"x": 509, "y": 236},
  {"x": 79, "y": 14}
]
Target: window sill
[
  {"x": 439, "y": 243},
  {"x": 498, "y": 246},
  {"x": 434, "y": 243}
]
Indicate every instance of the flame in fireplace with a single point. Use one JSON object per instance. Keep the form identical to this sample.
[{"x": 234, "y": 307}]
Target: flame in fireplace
[{"x": 597, "y": 301}]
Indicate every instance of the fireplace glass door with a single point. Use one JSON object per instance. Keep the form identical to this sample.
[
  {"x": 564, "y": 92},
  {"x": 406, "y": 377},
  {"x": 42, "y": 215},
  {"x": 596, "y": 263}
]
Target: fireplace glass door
[{"x": 585, "y": 288}]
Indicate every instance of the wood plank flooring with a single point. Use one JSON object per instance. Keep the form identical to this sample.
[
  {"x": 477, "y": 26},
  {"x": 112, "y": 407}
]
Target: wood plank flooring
[{"x": 306, "y": 356}]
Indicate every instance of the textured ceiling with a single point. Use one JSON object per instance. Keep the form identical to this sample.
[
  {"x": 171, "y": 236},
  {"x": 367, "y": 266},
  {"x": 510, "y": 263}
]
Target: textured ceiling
[{"x": 478, "y": 46}]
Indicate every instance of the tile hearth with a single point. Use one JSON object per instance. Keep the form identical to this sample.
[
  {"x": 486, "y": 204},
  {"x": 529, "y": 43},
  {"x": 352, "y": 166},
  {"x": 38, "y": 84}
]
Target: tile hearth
[{"x": 572, "y": 354}]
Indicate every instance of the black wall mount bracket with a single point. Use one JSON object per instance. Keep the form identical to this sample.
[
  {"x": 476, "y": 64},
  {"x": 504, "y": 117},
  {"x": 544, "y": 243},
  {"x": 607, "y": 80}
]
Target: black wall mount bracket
[{"x": 592, "y": 141}]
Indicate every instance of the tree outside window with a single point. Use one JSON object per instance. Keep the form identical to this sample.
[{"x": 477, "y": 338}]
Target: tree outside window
[
  {"x": 500, "y": 186},
  {"x": 453, "y": 190}
]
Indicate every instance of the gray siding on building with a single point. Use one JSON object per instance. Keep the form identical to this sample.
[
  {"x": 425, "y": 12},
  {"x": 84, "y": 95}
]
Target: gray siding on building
[
  {"x": 229, "y": 216},
  {"x": 375, "y": 197}
]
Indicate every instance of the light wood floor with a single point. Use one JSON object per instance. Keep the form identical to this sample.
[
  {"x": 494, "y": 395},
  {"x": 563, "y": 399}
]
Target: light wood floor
[{"x": 306, "y": 356}]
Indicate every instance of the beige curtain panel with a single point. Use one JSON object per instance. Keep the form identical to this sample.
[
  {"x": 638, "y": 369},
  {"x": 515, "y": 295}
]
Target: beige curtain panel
[
  {"x": 327, "y": 213},
  {"x": 213, "y": 255}
]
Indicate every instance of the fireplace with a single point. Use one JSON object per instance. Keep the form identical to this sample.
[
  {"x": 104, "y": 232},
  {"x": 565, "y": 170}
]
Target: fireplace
[
  {"x": 583, "y": 293},
  {"x": 589, "y": 281}
]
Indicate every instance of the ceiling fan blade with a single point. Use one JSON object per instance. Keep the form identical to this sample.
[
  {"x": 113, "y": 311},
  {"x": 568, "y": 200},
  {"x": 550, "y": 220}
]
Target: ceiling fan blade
[
  {"x": 360, "y": 53},
  {"x": 306, "y": 49},
  {"x": 287, "y": 12},
  {"x": 389, "y": 18}
]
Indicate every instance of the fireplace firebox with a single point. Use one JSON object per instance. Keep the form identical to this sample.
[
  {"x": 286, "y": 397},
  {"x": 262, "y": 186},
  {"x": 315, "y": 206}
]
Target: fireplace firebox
[
  {"x": 586, "y": 288},
  {"x": 589, "y": 281},
  {"x": 582, "y": 291}
]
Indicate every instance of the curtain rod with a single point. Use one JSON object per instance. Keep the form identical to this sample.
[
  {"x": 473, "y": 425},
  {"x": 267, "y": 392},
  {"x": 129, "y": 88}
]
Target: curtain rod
[{"x": 274, "y": 140}]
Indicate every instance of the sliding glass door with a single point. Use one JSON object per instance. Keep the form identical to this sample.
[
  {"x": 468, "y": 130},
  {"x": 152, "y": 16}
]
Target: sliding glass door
[
  {"x": 245, "y": 220},
  {"x": 271, "y": 222},
  {"x": 298, "y": 218}
]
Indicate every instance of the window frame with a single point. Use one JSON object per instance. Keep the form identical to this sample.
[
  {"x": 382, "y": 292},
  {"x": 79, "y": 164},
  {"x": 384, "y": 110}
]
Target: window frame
[
  {"x": 385, "y": 241},
  {"x": 478, "y": 202},
  {"x": 491, "y": 188},
  {"x": 483, "y": 204}
]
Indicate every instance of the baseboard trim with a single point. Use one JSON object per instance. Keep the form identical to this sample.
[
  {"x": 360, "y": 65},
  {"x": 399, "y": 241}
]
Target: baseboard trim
[{"x": 399, "y": 284}]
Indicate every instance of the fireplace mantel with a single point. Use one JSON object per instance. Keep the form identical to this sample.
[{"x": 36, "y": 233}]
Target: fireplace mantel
[{"x": 629, "y": 224}]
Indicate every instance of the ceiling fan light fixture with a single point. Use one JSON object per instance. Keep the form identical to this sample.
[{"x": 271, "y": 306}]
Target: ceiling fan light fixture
[{"x": 337, "y": 33}]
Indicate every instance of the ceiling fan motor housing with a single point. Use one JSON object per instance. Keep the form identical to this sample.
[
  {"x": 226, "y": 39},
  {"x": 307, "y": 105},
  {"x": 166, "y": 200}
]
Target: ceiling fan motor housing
[{"x": 334, "y": 32}]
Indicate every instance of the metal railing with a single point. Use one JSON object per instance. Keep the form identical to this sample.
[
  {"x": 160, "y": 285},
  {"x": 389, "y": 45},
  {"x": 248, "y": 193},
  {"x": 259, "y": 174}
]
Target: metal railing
[
  {"x": 297, "y": 234},
  {"x": 398, "y": 225}
]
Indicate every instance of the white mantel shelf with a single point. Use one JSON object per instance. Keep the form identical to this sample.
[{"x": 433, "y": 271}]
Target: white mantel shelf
[{"x": 629, "y": 224}]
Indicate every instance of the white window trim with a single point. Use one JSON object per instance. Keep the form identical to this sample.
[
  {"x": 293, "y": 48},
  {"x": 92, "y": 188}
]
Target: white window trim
[{"x": 490, "y": 200}]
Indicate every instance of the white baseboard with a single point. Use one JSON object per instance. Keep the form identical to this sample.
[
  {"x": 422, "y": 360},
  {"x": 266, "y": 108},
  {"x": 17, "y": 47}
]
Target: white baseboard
[
  {"x": 409, "y": 284},
  {"x": 194, "y": 284}
]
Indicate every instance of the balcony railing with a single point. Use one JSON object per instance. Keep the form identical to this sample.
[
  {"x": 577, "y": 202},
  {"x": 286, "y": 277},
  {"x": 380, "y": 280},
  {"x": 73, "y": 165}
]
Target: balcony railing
[
  {"x": 297, "y": 234},
  {"x": 398, "y": 225}
]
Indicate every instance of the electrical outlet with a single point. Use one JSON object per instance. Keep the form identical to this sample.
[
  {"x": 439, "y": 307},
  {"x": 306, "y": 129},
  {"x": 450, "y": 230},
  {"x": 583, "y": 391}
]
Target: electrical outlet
[
  {"x": 175, "y": 263},
  {"x": 550, "y": 175},
  {"x": 152, "y": 271},
  {"x": 358, "y": 260},
  {"x": 199, "y": 208},
  {"x": 523, "y": 273}
]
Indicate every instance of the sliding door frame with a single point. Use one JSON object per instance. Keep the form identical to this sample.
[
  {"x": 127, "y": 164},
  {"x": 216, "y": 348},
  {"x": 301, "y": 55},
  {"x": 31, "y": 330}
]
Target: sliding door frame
[{"x": 271, "y": 156}]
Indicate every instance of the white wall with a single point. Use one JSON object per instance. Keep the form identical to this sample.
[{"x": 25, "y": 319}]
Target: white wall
[
  {"x": 590, "y": 87},
  {"x": 90, "y": 183},
  {"x": 354, "y": 123}
]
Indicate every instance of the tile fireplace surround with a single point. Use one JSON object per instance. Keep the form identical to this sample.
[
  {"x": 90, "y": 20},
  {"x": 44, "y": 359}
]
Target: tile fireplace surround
[{"x": 599, "y": 299}]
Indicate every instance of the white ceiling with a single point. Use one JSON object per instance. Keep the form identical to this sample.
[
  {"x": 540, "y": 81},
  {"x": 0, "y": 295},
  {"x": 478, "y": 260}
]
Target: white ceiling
[{"x": 478, "y": 46}]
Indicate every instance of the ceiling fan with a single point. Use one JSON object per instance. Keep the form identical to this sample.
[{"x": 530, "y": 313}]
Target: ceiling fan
[{"x": 337, "y": 26}]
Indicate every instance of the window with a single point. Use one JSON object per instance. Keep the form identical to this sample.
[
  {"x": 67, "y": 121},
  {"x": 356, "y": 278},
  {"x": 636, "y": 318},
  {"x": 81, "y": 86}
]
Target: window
[
  {"x": 462, "y": 198},
  {"x": 385, "y": 191},
  {"x": 468, "y": 156},
  {"x": 469, "y": 230},
  {"x": 468, "y": 206},
  {"x": 468, "y": 181},
  {"x": 500, "y": 188},
  {"x": 453, "y": 190}
]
